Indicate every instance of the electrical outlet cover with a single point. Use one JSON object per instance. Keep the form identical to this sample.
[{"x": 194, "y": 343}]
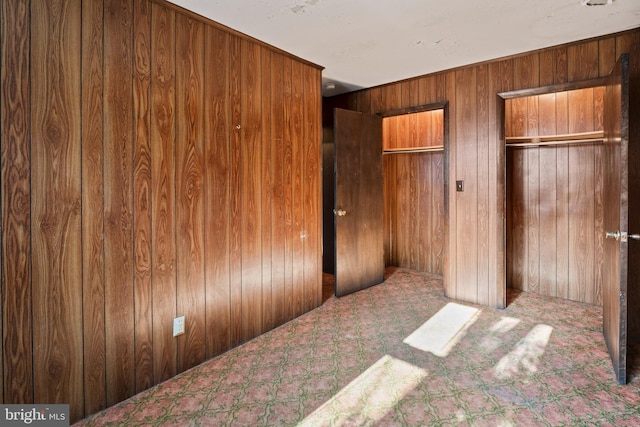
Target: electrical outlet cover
[{"x": 178, "y": 326}]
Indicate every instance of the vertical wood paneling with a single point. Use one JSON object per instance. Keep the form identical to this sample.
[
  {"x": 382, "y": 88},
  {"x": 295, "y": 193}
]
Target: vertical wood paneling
[
  {"x": 279, "y": 197},
  {"x": 582, "y": 61},
  {"x": 450, "y": 202},
  {"x": 189, "y": 190},
  {"x": 297, "y": 159},
  {"x": 311, "y": 178},
  {"x": 118, "y": 201},
  {"x": 250, "y": 189},
  {"x": 495, "y": 208},
  {"x": 92, "y": 213},
  {"x": 424, "y": 184},
  {"x": 143, "y": 209},
  {"x": 142, "y": 196},
  {"x": 267, "y": 189},
  {"x": 606, "y": 56},
  {"x": 547, "y": 195},
  {"x": 389, "y": 173},
  {"x": 533, "y": 217},
  {"x": 288, "y": 189},
  {"x": 517, "y": 225},
  {"x": 598, "y": 198},
  {"x": 482, "y": 101},
  {"x": 15, "y": 132},
  {"x": 560, "y": 70},
  {"x": 562, "y": 195},
  {"x": 217, "y": 127},
  {"x": 466, "y": 120},
  {"x": 163, "y": 241},
  {"x": 235, "y": 208},
  {"x": 56, "y": 204}
]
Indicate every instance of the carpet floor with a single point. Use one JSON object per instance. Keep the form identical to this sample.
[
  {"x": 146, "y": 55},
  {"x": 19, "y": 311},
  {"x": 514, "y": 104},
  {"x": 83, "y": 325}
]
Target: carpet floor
[{"x": 402, "y": 354}]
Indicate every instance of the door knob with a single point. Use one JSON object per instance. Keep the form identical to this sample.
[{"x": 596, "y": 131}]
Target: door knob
[
  {"x": 612, "y": 235},
  {"x": 339, "y": 212},
  {"x": 621, "y": 235}
]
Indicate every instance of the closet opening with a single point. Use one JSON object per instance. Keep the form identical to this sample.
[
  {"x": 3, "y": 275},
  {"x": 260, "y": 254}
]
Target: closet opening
[
  {"x": 414, "y": 142},
  {"x": 554, "y": 194}
]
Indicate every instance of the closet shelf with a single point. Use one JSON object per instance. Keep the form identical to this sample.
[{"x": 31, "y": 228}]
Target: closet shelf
[
  {"x": 413, "y": 150},
  {"x": 564, "y": 139}
]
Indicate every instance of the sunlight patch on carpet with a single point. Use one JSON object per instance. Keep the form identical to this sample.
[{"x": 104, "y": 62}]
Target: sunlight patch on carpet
[
  {"x": 369, "y": 397},
  {"x": 526, "y": 354},
  {"x": 443, "y": 330},
  {"x": 492, "y": 341}
]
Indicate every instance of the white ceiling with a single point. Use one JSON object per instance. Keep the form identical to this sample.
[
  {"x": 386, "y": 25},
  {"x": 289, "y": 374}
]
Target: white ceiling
[{"x": 365, "y": 43}]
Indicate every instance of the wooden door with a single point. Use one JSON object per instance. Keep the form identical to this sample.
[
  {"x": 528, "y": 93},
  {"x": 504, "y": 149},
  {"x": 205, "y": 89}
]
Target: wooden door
[
  {"x": 359, "y": 201},
  {"x": 616, "y": 204}
]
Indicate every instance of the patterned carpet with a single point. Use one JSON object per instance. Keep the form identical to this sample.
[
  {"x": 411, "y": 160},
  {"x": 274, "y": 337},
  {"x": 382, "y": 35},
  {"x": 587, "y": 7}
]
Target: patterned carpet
[{"x": 401, "y": 354}]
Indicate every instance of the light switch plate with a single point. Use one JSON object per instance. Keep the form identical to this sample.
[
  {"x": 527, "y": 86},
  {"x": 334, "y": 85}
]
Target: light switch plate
[
  {"x": 459, "y": 185},
  {"x": 178, "y": 326}
]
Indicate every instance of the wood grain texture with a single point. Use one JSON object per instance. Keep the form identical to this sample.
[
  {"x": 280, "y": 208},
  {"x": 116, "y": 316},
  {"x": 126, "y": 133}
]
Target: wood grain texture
[
  {"x": 547, "y": 198},
  {"x": 190, "y": 75},
  {"x": 15, "y": 133},
  {"x": 118, "y": 219},
  {"x": 267, "y": 190},
  {"x": 56, "y": 204},
  {"x": 562, "y": 196},
  {"x": 450, "y": 278},
  {"x": 482, "y": 102},
  {"x": 311, "y": 191},
  {"x": 250, "y": 189},
  {"x": 235, "y": 207},
  {"x": 163, "y": 241},
  {"x": 297, "y": 162},
  {"x": 495, "y": 208},
  {"x": 466, "y": 122},
  {"x": 278, "y": 143},
  {"x": 142, "y": 184},
  {"x": 124, "y": 199},
  {"x": 359, "y": 183},
  {"x": 582, "y": 61},
  {"x": 217, "y": 130},
  {"x": 92, "y": 208},
  {"x": 288, "y": 189},
  {"x": 581, "y": 201}
]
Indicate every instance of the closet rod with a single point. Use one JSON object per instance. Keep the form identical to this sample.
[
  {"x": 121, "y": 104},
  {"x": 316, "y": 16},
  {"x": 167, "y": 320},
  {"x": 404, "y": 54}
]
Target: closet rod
[
  {"x": 413, "y": 150},
  {"x": 561, "y": 142}
]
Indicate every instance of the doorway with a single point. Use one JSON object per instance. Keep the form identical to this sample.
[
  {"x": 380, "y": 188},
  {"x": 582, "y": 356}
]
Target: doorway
[
  {"x": 555, "y": 192},
  {"x": 413, "y": 158}
]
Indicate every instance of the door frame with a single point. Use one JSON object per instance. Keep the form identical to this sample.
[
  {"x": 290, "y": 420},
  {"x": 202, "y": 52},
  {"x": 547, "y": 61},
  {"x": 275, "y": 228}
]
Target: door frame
[{"x": 501, "y": 97}]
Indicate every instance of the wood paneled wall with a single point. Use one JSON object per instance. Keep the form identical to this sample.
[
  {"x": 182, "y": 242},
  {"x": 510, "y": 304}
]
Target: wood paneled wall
[
  {"x": 414, "y": 130},
  {"x": 554, "y": 197},
  {"x": 154, "y": 164},
  {"x": 475, "y": 252}
]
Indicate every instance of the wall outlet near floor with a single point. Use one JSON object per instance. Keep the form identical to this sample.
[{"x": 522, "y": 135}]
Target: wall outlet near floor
[{"x": 178, "y": 326}]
